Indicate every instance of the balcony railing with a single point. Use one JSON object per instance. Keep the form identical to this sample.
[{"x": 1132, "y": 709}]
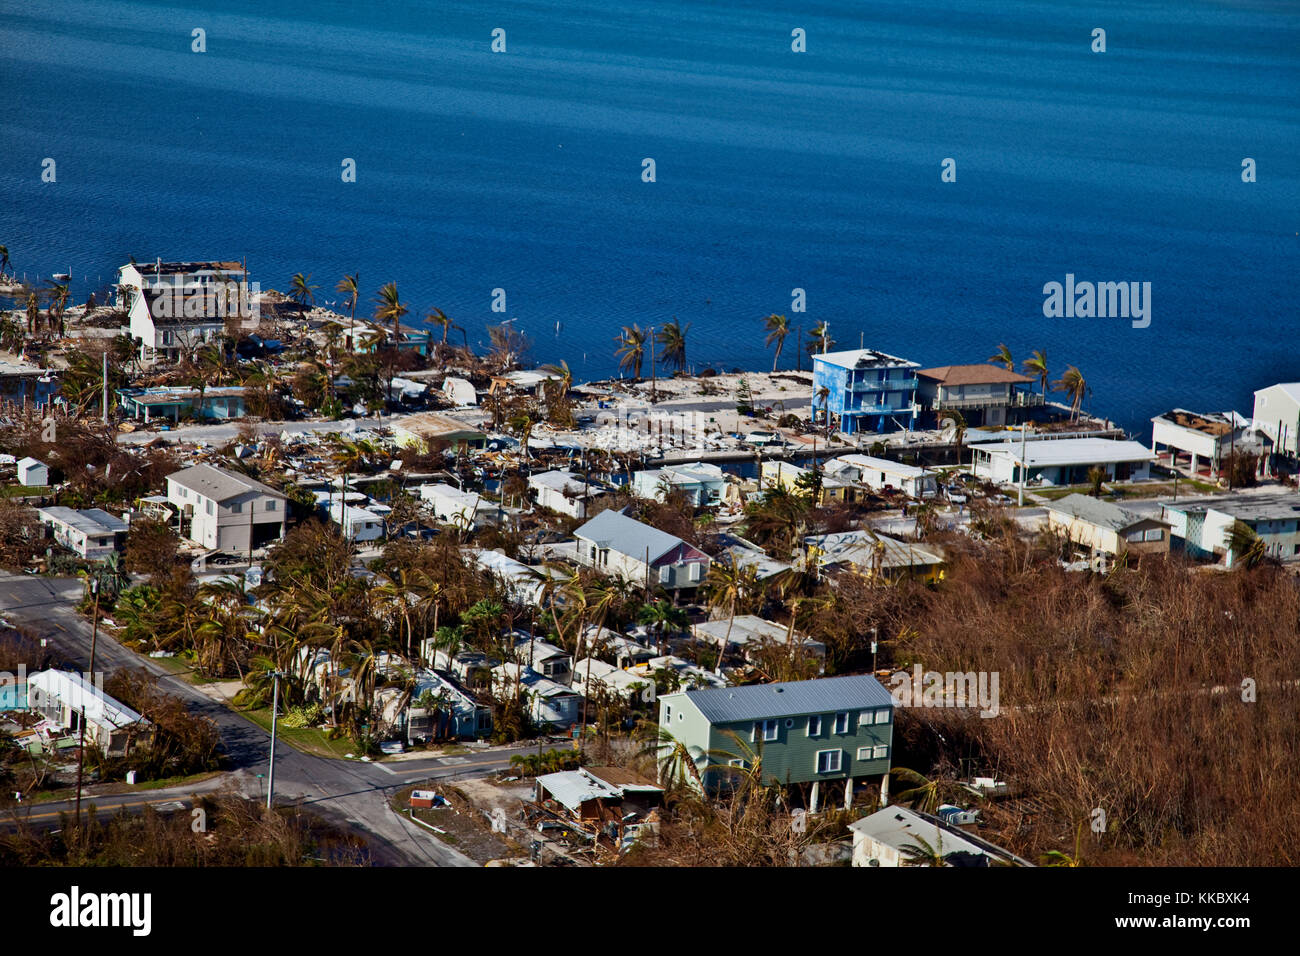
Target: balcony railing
[
  {"x": 890, "y": 385},
  {"x": 907, "y": 408},
  {"x": 1018, "y": 400}
]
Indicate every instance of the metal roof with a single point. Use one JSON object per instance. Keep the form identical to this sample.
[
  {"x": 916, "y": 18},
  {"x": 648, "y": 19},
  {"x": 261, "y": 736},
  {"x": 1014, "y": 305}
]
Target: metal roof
[
  {"x": 1047, "y": 453},
  {"x": 1281, "y": 506},
  {"x": 616, "y": 531},
  {"x": 724, "y": 705},
  {"x": 219, "y": 484},
  {"x": 74, "y": 691},
  {"x": 859, "y": 547},
  {"x": 1103, "y": 514},
  {"x": 573, "y": 788},
  {"x": 92, "y": 521},
  {"x": 899, "y": 827},
  {"x": 880, "y": 464},
  {"x": 749, "y": 628},
  {"x": 864, "y": 358}
]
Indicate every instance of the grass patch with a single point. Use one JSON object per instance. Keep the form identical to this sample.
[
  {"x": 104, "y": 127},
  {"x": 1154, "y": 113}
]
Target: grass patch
[
  {"x": 1162, "y": 489},
  {"x": 23, "y": 491},
  {"x": 312, "y": 740}
]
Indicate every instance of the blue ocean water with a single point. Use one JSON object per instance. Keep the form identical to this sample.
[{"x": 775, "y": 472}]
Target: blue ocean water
[{"x": 775, "y": 170}]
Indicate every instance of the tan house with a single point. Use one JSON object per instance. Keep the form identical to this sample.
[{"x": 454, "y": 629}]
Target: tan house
[
  {"x": 1103, "y": 527},
  {"x": 424, "y": 429}
]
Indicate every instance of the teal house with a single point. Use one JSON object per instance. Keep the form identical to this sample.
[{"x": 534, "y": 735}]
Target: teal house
[{"x": 831, "y": 730}]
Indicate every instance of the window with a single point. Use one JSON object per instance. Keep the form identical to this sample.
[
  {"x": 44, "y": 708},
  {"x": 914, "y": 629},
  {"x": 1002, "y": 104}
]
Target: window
[
  {"x": 814, "y": 725},
  {"x": 665, "y": 574},
  {"x": 270, "y": 505},
  {"x": 828, "y": 761},
  {"x": 1154, "y": 534},
  {"x": 880, "y": 752},
  {"x": 236, "y": 508},
  {"x": 882, "y": 716},
  {"x": 210, "y": 507},
  {"x": 842, "y": 723},
  {"x": 668, "y": 713},
  {"x": 736, "y": 763},
  {"x": 697, "y": 570},
  {"x": 768, "y": 728},
  {"x": 864, "y": 753}
]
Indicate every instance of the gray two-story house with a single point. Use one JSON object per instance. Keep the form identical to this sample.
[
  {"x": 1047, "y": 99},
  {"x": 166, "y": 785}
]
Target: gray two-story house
[{"x": 811, "y": 731}]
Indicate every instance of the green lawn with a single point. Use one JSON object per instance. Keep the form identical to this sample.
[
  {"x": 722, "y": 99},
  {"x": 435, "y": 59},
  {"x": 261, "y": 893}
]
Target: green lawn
[
  {"x": 312, "y": 740},
  {"x": 23, "y": 491},
  {"x": 1162, "y": 489}
]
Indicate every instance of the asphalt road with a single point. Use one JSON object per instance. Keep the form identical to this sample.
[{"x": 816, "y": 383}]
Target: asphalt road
[{"x": 350, "y": 792}]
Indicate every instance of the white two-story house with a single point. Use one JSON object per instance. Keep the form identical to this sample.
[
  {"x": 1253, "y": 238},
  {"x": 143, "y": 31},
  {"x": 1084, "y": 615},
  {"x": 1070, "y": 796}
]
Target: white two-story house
[
  {"x": 224, "y": 510},
  {"x": 173, "y": 308}
]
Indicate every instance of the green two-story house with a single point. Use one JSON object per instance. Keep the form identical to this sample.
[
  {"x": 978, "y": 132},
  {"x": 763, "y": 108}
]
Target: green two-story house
[{"x": 810, "y": 731}]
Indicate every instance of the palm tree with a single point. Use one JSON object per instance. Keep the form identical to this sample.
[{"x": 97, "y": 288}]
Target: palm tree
[
  {"x": 1059, "y": 858},
  {"x": 659, "y": 617},
  {"x": 389, "y": 307},
  {"x": 632, "y": 343},
  {"x": 778, "y": 327},
  {"x": 302, "y": 291},
  {"x": 349, "y": 286},
  {"x": 523, "y": 426},
  {"x": 439, "y": 318},
  {"x": 673, "y": 339},
  {"x": 57, "y": 296},
  {"x": 730, "y": 584},
  {"x": 1072, "y": 384},
  {"x": 954, "y": 426},
  {"x": 1245, "y": 546},
  {"x": 557, "y": 393},
  {"x": 819, "y": 339},
  {"x": 920, "y": 853},
  {"x": 924, "y": 794},
  {"x": 823, "y": 395},
  {"x": 1096, "y": 476},
  {"x": 1036, "y": 365},
  {"x": 33, "y": 312},
  {"x": 1003, "y": 357}
]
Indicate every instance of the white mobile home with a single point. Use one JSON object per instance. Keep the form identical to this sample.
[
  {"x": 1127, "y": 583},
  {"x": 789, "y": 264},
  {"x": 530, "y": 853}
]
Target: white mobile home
[
  {"x": 881, "y": 473},
  {"x": 464, "y": 509},
  {"x": 567, "y": 493},
  {"x": 92, "y": 534},
  {"x": 1061, "y": 461},
  {"x": 357, "y": 523}
]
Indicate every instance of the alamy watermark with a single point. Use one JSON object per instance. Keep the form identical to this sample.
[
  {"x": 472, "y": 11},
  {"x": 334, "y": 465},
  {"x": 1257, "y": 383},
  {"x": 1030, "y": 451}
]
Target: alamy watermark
[
  {"x": 177, "y": 299},
  {"x": 1102, "y": 300},
  {"x": 946, "y": 689}
]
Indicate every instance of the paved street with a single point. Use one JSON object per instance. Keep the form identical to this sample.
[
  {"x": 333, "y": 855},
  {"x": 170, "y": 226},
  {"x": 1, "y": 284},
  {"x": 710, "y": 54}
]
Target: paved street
[{"x": 348, "y": 791}]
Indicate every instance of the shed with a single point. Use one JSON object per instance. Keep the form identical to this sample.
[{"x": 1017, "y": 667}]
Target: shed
[{"x": 33, "y": 473}]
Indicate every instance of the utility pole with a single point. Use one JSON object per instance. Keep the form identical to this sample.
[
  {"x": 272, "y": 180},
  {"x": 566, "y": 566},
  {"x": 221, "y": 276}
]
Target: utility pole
[
  {"x": 1024, "y": 467},
  {"x": 652, "y": 365},
  {"x": 104, "y": 399},
  {"x": 252, "y": 506},
  {"x": 275, "y": 703},
  {"x": 81, "y": 722}
]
